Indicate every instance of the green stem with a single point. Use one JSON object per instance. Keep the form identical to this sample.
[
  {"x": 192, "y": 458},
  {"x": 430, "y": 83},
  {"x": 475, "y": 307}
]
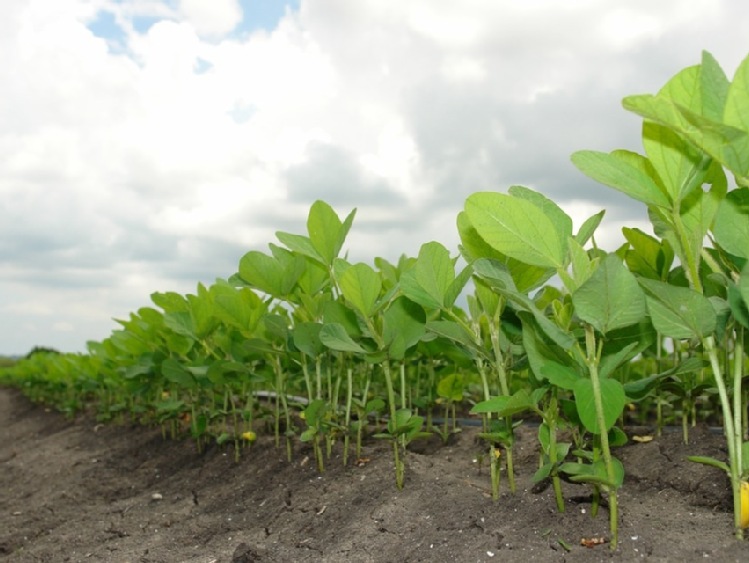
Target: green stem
[
  {"x": 499, "y": 363},
  {"x": 347, "y": 420},
  {"x": 399, "y": 467},
  {"x": 592, "y": 361},
  {"x": 729, "y": 430}
]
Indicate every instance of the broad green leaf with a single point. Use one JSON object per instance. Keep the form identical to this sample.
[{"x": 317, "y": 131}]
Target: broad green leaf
[
  {"x": 648, "y": 257},
  {"x": 315, "y": 278},
  {"x": 498, "y": 277},
  {"x": 624, "y": 171},
  {"x": 335, "y": 337},
  {"x": 727, "y": 144},
  {"x": 457, "y": 285},
  {"x": 240, "y": 308},
  {"x": 276, "y": 327},
  {"x": 403, "y": 326},
  {"x": 714, "y": 87},
  {"x": 611, "y": 298},
  {"x": 326, "y": 231},
  {"x": 641, "y": 388},
  {"x": 175, "y": 372},
  {"x": 582, "y": 266},
  {"x": 559, "y": 375},
  {"x": 181, "y": 323},
  {"x": 731, "y": 227},
  {"x": 680, "y": 166},
  {"x": 473, "y": 247},
  {"x": 292, "y": 265},
  {"x": 300, "y": 244},
  {"x": 505, "y": 406},
  {"x": 336, "y": 312},
  {"x": 559, "y": 218},
  {"x": 612, "y": 397},
  {"x": 170, "y": 302},
  {"x": 588, "y": 228},
  {"x": 307, "y": 338},
  {"x": 451, "y": 387},
  {"x": 743, "y": 287},
  {"x": 610, "y": 362},
  {"x": 262, "y": 272},
  {"x": 456, "y": 333},
  {"x": 517, "y": 228},
  {"x": 736, "y": 111},
  {"x": 202, "y": 312},
  {"x": 361, "y": 287},
  {"x": 699, "y": 208},
  {"x": 678, "y": 312},
  {"x": 428, "y": 282},
  {"x": 737, "y": 304}
]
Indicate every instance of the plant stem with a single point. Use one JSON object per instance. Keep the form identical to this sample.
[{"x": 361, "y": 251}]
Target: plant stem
[
  {"x": 399, "y": 467},
  {"x": 729, "y": 430},
  {"x": 592, "y": 361}
]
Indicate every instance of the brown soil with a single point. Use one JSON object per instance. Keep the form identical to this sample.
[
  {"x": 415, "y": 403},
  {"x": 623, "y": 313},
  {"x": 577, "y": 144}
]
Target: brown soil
[{"x": 78, "y": 491}]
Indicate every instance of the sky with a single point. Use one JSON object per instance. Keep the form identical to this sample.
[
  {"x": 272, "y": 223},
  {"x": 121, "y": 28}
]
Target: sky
[{"x": 147, "y": 145}]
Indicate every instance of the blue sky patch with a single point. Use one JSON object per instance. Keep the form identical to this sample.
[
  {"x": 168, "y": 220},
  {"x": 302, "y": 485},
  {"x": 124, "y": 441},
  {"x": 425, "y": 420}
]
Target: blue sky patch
[
  {"x": 263, "y": 14},
  {"x": 105, "y": 26}
]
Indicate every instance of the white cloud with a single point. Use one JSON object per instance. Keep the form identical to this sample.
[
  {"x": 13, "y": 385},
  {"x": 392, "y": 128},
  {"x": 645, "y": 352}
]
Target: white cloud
[
  {"x": 213, "y": 18},
  {"x": 152, "y": 166}
]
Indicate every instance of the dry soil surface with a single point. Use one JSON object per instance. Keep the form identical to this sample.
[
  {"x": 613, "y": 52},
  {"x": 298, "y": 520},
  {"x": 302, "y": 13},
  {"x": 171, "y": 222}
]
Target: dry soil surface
[{"x": 74, "y": 490}]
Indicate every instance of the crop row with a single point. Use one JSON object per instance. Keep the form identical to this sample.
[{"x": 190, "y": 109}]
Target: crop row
[{"x": 312, "y": 347}]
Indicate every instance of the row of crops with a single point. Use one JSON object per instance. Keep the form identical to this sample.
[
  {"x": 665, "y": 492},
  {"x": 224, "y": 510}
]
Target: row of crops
[{"x": 305, "y": 345}]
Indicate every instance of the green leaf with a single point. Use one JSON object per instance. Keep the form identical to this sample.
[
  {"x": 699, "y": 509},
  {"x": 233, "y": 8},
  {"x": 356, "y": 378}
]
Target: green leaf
[
  {"x": 559, "y": 375},
  {"x": 429, "y": 280},
  {"x": 648, "y": 257},
  {"x": 681, "y": 167},
  {"x": 300, "y": 244},
  {"x": 517, "y": 228},
  {"x": 307, "y": 338},
  {"x": 403, "y": 326},
  {"x": 181, "y": 323},
  {"x": 175, "y": 372},
  {"x": 610, "y": 362},
  {"x": 641, "y": 388},
  {"x": 736, "y": 111},
  {"x": 361, "y": 287},
  {"x": 326, "y": 231},
  {"x": 335, "y": 337},
  {"x": 498, "y": 277},
  {"x": 202, "y": 312},
  {"x": 612, "y": 397},
  {"x": 170, "y": 302},
  {"x": 611, "y": 298},
  {"x": 678, "y": 312},
  {"x": 473, "y": 247},
  {"x": 451, "y": 387},
  {"x": 624, "y": 171},
  {"x": 505, "y": 406},
  {"x": 267, "y": 273},
  {"x": 240, "y": 308},
  {"x": 588, "y": 228},
  {"x": 731, "y": 227},
  {"x": 712, "y": 462},
  {"x": 561, "y": 221},
  {"x": 336, "y": 312},
  {"x": 455, "y": 332}
]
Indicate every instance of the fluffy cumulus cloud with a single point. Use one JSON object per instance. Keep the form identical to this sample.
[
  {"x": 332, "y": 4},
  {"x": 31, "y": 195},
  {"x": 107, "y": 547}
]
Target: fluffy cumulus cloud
[{"x": 147, "y": 144}]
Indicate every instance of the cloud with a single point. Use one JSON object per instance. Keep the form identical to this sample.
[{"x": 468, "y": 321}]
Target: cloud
[
  {"x": 215, "y": 18},
  {"x": 153, "y": 155}
]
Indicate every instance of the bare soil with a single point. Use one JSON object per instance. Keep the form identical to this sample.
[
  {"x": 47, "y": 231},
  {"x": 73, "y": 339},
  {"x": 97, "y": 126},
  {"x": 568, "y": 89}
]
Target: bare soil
[{"x": 74, "y": 490}]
